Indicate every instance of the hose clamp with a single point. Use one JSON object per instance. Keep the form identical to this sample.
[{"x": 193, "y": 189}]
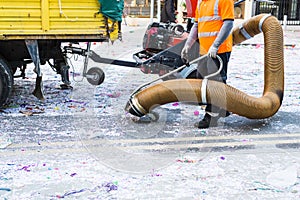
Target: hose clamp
[
  {"x": 136, "y": 106},
  {"x": 261, "y": 21},
  {"x": 205, "y": 80},
  {"x": 203, "y": 90},
  {"x": 244, "y": 32}
]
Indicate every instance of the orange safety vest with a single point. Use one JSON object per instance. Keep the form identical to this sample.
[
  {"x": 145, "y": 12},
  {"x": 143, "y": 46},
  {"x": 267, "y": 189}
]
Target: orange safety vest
[{"x": 210, "y": 15}]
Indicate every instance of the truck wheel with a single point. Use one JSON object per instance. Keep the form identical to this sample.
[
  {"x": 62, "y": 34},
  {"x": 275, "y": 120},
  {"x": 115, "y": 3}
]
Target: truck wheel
[
  {"x": 95, "y": 76},
  {"x": 6, "y": 81},
  {"x": 9, "y": 70}
]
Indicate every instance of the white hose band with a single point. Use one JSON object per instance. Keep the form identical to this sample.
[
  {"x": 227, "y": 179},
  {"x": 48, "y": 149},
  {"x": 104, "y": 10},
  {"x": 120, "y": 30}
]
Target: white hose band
[
  {"x": 136, "y": 106},
  {"x": 244, "y": 32},
  {"x": 203, "y": 91},
  {"x": 205, "y": 79},
  {"x": 261, "y": 21}
]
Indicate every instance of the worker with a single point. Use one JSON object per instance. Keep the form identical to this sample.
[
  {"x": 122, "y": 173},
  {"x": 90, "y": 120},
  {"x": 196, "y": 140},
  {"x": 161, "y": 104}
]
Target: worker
[
  {"x": 212, "y": 27},
  {"x": 168, "y": 13}
]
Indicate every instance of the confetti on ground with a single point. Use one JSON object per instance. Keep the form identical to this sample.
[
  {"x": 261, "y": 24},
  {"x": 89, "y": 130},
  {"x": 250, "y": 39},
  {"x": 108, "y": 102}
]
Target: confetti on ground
[{"x": 51, "y": 162}]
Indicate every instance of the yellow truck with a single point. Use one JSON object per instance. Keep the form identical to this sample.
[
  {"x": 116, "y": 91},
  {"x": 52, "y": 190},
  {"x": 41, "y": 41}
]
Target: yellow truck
[{"x": 32, "y": 31}]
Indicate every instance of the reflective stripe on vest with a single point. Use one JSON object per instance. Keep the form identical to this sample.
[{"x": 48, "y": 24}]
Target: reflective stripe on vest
[
  {"x": 208, "y": 34},
  {"x": 212, "y": 18},
  {"x": 209, "y": 18}
]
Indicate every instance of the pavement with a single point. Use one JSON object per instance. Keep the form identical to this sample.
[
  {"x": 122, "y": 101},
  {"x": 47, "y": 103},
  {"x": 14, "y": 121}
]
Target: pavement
[{"x": 80, "y": 144}]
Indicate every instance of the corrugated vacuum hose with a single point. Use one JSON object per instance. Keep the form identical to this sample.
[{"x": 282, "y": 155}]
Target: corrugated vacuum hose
[{"x": 220, "y": 94}]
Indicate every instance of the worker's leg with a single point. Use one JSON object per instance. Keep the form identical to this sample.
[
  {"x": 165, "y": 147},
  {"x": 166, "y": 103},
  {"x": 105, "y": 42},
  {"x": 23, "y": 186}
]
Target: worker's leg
[{"x": 213, "y": 113}]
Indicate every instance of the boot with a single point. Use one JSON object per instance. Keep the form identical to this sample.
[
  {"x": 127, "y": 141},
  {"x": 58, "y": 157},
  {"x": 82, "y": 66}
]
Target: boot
[
  {"x": 207, "y": 121},
  {"x": 224, "y": 113},
  {"x": 210, "y": 121}
]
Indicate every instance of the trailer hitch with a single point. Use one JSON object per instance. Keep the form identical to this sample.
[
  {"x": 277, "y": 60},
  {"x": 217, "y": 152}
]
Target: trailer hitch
[
  {"x": 88, "y": 53},
  {"x": 95, "y": 75}
]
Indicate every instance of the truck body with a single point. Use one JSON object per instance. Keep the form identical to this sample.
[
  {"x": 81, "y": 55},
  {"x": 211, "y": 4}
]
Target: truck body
[{"x": 52, "y": 19}]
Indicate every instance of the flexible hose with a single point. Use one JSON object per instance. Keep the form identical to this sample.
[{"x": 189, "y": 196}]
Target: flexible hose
[{"x": 220, "y": 94}]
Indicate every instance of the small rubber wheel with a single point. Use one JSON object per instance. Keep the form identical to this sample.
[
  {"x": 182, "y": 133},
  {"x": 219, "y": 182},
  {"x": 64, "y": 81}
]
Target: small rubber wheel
[{"x": 95, "y": 76}]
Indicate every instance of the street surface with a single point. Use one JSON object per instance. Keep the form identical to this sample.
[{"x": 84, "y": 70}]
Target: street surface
[{"x": 80, "y": 143}]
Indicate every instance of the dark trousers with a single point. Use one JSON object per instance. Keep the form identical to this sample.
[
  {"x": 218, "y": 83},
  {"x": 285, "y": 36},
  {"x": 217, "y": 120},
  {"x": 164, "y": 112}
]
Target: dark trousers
[{"x": 206, "y": 69}]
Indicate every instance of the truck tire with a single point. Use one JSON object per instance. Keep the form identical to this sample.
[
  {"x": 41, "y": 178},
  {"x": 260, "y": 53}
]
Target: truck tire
[{"x": 6, "y": 81}]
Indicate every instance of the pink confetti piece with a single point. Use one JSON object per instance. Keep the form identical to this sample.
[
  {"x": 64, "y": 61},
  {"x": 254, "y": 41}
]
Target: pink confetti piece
[{"x": 114, "y": 95}]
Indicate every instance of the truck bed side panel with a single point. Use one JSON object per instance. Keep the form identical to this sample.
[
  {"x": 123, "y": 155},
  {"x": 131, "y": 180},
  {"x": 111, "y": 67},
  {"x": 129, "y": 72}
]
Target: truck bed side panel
[{"x": 53, "y": 19}]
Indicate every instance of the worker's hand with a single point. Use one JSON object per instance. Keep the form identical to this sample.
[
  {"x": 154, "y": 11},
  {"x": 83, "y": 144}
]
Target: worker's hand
[
  {"x": 212, "y": 52},
  {"x": 184, "y": 53}
]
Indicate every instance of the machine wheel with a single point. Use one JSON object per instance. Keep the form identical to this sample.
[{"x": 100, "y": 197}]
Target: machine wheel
[
  {"x": 95, "y": 76},
  {"x": 192, "y": 75},
  {"x": 6, "y": 81}
]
